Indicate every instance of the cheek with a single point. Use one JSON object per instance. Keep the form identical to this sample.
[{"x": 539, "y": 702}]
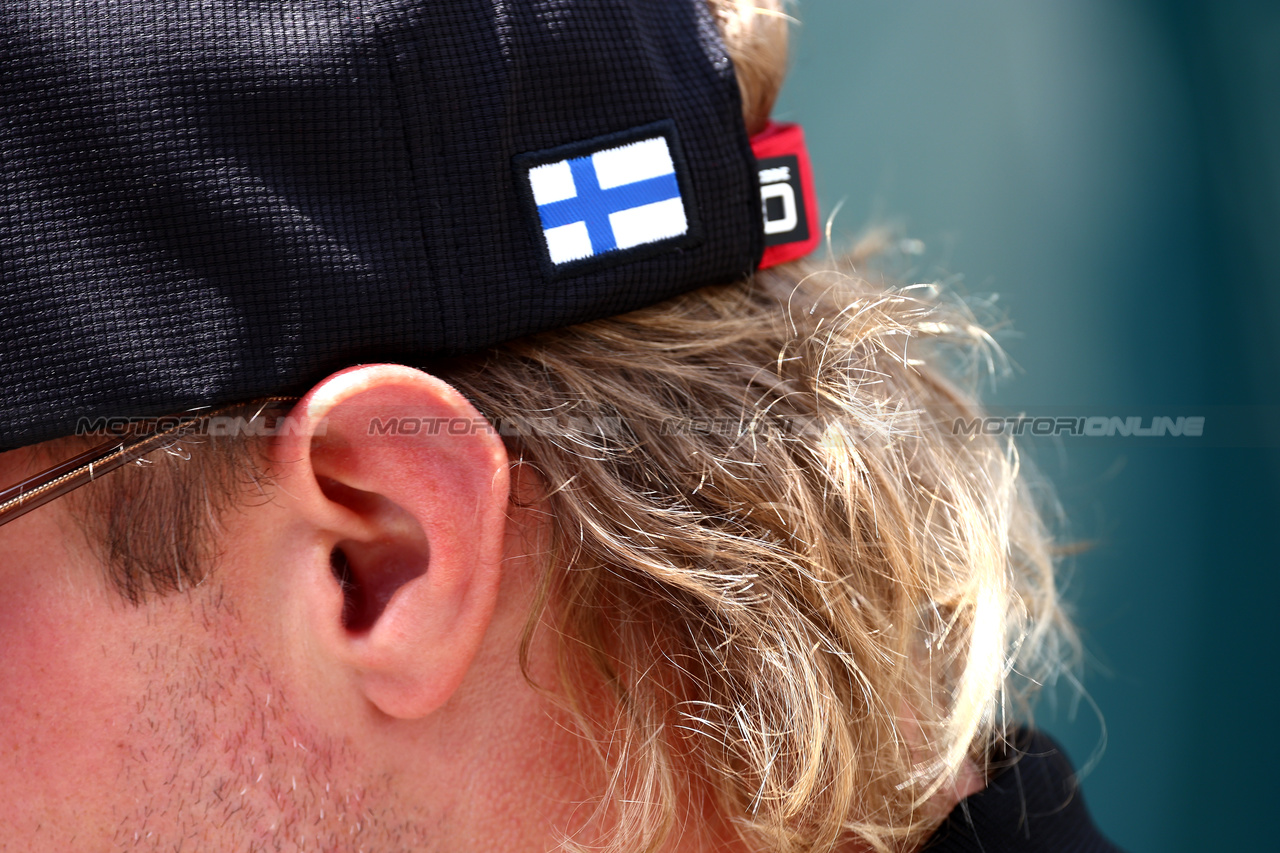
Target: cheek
[{"x": 65, "y": 698}]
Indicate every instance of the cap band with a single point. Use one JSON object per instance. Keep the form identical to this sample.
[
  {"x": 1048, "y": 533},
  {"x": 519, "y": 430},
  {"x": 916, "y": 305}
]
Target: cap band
[{"x": 786, "y": 194}]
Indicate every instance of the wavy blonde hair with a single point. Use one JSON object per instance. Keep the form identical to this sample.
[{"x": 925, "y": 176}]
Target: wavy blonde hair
[
  {"x": 804, "y": 589},
  {"x": 805, "y": 592}
]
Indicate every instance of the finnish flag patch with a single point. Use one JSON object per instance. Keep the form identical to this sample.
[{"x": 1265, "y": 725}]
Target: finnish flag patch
[{"x": 609, "y": 199}]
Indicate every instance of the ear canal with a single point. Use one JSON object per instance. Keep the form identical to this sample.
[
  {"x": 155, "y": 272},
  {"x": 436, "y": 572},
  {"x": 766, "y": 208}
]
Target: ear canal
[
  {"x": 370, "y": 572},
  {"x": 355, "y": 615}
]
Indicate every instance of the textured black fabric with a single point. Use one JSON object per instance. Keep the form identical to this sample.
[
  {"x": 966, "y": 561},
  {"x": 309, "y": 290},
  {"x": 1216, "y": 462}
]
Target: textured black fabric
[
  {"x": 203, "y": 201},
  {"x": 1033, "y": 805}
]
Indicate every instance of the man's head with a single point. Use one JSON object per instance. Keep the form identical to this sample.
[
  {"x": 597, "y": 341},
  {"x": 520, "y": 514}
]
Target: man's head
[{"x": 716, "y": 571}]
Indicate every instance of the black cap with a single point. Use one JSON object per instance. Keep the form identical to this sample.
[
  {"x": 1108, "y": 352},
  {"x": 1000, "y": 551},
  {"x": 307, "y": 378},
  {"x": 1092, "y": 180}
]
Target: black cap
[{"x": 205, "y": 201}]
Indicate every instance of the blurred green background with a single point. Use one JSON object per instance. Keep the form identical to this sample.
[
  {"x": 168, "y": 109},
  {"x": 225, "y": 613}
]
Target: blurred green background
[{"x": 1110, "y": 168}]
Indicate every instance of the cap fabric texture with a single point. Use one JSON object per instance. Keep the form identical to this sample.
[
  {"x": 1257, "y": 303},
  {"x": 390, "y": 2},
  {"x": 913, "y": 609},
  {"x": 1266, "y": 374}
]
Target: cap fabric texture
[{"x": 204, "y": 201}]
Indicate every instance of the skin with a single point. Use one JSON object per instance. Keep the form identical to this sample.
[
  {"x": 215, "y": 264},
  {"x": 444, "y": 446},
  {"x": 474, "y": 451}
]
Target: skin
[{"x": 246, "y": 715}]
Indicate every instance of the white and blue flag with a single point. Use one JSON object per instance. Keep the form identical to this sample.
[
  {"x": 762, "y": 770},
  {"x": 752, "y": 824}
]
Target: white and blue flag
[{"x": 614, "y": 199}]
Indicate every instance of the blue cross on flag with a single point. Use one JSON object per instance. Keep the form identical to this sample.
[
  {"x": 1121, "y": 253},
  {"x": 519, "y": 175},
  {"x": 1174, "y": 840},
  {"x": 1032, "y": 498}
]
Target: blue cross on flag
[{"x": 616, "y": 198}]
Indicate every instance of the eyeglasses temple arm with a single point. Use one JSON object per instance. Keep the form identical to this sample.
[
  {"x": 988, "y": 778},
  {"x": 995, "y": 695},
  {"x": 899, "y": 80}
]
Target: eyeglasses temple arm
[{"x": 53, "y": 483}]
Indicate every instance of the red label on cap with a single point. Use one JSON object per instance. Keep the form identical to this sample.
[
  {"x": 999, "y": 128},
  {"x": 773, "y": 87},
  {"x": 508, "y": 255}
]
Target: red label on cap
[{"x": 786, "y": 194}]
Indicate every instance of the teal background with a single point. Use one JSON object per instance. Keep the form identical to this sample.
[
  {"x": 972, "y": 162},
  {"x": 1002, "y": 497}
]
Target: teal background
[{"x": 1112, "y": 171}]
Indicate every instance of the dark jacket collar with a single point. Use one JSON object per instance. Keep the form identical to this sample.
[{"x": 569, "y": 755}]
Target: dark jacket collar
[{"x": 1032, "y": 805}]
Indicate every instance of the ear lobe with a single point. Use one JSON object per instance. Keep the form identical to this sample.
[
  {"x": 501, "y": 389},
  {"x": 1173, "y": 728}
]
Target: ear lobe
[{"x": 407, "y": 484}]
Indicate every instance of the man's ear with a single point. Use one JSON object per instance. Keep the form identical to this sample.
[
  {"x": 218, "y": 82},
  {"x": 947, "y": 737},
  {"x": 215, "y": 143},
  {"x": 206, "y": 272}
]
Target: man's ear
[{"x": 402, "y": 487}]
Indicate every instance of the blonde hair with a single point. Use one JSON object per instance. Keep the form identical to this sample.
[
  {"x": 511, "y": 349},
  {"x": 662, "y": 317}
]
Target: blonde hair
[
  {"x": 755, "y": 32},
  {"x": 804, "y": 588},
  {"x": 806, "y": 592}
]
